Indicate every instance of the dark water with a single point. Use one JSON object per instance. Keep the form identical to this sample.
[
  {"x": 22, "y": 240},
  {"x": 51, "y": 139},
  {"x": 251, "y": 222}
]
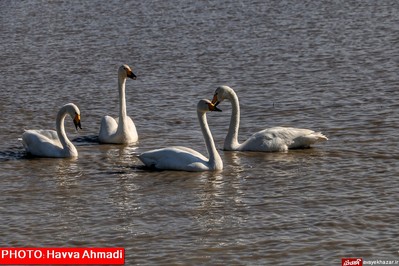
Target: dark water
[{"x": 332, "y": 66}]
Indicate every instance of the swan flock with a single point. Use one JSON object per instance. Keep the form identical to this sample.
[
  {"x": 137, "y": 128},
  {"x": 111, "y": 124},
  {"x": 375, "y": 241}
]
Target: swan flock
[{"x": 122, "y": 130}]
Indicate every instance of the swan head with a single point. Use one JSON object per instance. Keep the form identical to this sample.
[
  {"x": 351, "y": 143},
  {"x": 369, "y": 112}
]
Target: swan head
[
  {"x": 221, "y": 93},
  {"x": 206, "y": 105},
  {"x": 76, "y": 121},
  {"x": 126, "y": 72},
  {"x": 74, "y": 112}
]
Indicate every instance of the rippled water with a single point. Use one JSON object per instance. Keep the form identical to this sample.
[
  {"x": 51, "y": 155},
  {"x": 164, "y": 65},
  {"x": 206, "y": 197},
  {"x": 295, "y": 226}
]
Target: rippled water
[{"x": 331, "y": 66}]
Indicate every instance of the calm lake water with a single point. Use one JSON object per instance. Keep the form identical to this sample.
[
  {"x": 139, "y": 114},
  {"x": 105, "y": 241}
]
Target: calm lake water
[{"x": 331, "y": 66}]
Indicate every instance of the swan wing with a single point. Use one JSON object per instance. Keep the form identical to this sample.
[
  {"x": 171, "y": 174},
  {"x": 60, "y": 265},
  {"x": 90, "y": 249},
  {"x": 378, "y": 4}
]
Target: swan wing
[
  {"x": 51, "y": 134},
  {"x": 107, "y": 129},
  {"x": 281, "y": 139},
  {"x": 175, "y": 158},
  {"x": 130, "y": 124},
  {"x": 131, "y": 133},
  {"x": 109, "y": 132},
  {"x": 44, "y": 143}
]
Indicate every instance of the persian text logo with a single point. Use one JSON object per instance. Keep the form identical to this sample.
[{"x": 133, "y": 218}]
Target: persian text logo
[{"x": 352, "y": 261}]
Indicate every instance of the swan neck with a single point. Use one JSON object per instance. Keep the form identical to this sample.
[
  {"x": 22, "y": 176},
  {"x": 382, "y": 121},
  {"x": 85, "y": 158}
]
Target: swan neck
[
  {"x": 66, "y": 143},
  {"x": 122, "y": 100},
  {"x": 215, "y": 162},
  {"x": 231, "y": 140}
]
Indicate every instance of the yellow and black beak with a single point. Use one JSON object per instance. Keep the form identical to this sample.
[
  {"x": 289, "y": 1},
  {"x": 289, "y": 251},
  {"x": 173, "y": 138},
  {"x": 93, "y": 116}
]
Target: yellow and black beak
[
  {"x": 212, "y": 107},
  {"x": 76, "y": 121},
  {"x": 130, "y": 74},
  {"x": 215, "y": 100}
]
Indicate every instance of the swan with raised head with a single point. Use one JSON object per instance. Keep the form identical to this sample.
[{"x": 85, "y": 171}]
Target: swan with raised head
[
  {"x": 123, "y": 131},
  {"x": 50, "y": 143},
  {"x": 186, "y": 159},
  {"x": 268, "y": 140}
]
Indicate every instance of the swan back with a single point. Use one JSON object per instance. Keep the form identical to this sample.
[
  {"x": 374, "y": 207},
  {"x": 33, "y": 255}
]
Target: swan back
[{"x": 175, "y": 158}]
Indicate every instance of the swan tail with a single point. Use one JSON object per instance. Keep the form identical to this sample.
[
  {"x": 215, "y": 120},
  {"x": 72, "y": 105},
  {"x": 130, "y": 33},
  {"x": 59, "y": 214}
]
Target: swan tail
[
  {"x": 307, "y": 140},
  {"x": 313, "y": 138},
  {"x": 319, "y": 137}
]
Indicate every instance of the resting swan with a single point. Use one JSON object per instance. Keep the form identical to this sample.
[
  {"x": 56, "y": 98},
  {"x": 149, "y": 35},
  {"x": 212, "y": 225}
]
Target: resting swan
[
  {"x": 269, "y": 140},
  {"x": 50, "y": 143},
  {"x": 123, "y": 131},
  {"x": 186, "y": 159}
]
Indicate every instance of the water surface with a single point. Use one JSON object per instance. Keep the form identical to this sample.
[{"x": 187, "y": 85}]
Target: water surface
[{"x": 331, "y": 66}]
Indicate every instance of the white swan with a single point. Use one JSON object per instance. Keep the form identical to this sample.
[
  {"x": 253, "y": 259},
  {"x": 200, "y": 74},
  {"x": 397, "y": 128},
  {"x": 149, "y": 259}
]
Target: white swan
[
  {"x": 50, "y": 143},
  {"x": 123, "y": 131},
  {"x": 269, "y": 140},
  {"x": 186, "y": 159}
]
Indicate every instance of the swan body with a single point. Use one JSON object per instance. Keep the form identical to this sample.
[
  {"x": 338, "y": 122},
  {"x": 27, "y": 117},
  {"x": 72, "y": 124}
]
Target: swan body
[
  {"x": 268, "y": 140},
  {"x": 187, "y": 159},
  {"x": 50, "y": 143},
  {"x": 122, "y": 129}
]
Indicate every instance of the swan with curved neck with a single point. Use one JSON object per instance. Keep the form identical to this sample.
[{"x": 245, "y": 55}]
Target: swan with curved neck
[
  {"x": 50, "y": 143},
  {"x": 269, "y": 140},
  {"x": 186, "y": 159},
  {"x": 123, "y": 131}
]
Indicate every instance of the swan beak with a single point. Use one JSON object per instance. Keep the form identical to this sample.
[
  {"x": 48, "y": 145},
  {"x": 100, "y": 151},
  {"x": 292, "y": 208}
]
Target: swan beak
[
  {"x": 212, "y": 107},
  {"x": 131, "y": 75},
  {"x": 215, "y": 100},
  {"x": 76, "y": 121}
]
